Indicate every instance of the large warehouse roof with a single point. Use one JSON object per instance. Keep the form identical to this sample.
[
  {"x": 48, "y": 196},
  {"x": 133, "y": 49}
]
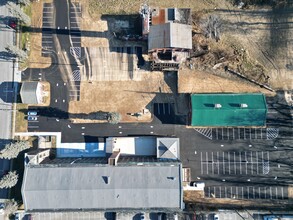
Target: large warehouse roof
[
  {"x": 228, "y": 109},
  {"x": 170, "y": 35},
  {"x": 102, "y": 187}
]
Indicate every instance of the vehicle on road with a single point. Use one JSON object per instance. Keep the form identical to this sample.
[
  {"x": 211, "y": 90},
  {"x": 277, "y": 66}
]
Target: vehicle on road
[
  {"x": 32, "y": 118},
  {"x": 12, "y": 23},
  {"x": 32, "y": 113}
]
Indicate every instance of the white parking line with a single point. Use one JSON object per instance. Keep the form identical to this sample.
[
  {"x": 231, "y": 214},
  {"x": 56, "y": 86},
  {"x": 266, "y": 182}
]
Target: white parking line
[
  {"x": 201, "y": 163},
  {"x": 30, "y": 126},
  {"x": 251, "y": 161},
  {"x": 207, "y": 162},
  {"x": 213, "y": 162},
  {"x": 223, "y": 162},
  {"x": 229, "y": 162}
]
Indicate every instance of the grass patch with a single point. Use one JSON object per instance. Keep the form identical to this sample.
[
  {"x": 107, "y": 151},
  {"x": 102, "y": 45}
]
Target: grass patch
[
  {"x": 98, "y": 8},
  {"x": 20, "y": 119}
]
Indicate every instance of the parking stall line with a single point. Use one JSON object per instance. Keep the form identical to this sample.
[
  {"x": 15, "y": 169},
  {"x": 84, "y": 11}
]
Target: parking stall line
[
  {"x": 282, "y": 192},
  {"x": 229, "y": 162},
  {"x": 259, "y": 195},
  {"x": 215, "y": 191},
  {"x": 233, "y": 135},
  {"x": 222, "y": 133},
  {"x": 213, "y": 162},
  {"x": 271, "y": 192},
  {"x": 246, "y": 161},
  {"x": 201, "y": 165},
  {"x": 218, "y": 162},
  {"x": 276, "y": 192},
  {"x": 163, "y": 108},
  {"x": 209, "y": 191},
  {"x": 234, "y": 163},
  {"x": 207, "y": 162},
  {"x": 223, "y": 163},
  {"x": 225, "y": 192},
  {"x": 251, "y": 161},
  {"x": 265, "y": 192},
  {"x": 256, "y": 162},
  {"x": 240, "y": 162},
  {"x": 228, "y": 134},
  {"x": 217, "y": 134}
]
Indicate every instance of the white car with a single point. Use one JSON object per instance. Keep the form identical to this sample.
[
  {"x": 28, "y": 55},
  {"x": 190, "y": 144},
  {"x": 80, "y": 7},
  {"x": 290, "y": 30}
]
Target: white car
[
  {"x": 197, "y": 185},
  {"x": 216, "y": 217},
  {"x": 32, "y": 113}
]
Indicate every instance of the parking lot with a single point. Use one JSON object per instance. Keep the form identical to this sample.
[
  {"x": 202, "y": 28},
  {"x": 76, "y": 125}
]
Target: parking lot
[
  {"x": 247, "y": 192},
  {"x": 47, "y": 29},
  {"x": 69, "y": 216},
  {"x": 239, "y": 133},
  {"x": 234, "y": 163}
]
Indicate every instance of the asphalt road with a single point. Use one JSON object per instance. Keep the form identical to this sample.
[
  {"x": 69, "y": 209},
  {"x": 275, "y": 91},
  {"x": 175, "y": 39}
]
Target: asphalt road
[{"x": 233, "y": 159}]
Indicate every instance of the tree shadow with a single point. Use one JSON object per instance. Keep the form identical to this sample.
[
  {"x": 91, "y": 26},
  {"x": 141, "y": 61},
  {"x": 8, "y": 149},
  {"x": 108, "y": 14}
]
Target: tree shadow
[{"x": 4, "y": 55}]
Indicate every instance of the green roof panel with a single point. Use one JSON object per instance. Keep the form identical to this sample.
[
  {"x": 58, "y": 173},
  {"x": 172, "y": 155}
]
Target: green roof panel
[{"x": 247, "y": 109}]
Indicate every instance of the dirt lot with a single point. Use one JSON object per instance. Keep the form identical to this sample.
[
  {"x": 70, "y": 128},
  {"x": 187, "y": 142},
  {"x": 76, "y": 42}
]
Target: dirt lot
[
  {"x": 195, "y": 81},
  {"x": 35, "y": 58},
  {"x": 121, "y": 96}
]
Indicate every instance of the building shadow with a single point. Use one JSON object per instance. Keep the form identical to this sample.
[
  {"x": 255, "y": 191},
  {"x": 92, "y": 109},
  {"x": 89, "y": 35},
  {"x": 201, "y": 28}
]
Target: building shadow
[{"x": 8, "y": 91}]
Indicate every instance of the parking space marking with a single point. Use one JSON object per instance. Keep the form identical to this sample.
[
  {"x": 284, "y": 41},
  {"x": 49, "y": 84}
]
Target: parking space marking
[
  {"x": 234, "y": 163},
  {"x": 246, "y": 192},
  {"x": 241, "y": 133},
  {"x": 207, "y": 132}
]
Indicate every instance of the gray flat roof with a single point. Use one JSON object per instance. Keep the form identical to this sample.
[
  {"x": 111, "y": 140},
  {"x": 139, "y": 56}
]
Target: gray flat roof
[
  {"x": 129, "y": 187},
  {"x": 28, "y": 92},
  {"x": 170, "y": 35}
]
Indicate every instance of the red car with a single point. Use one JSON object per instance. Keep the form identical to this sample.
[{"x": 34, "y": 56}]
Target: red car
[{"x": 12, "y": 24}]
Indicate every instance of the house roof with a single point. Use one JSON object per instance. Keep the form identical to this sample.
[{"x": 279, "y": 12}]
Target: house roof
[
  {"x": 168, "y": 148},
  {"x": 170, "y": 35},
  {"x": 28, "y": 92},
  {"x": 102, "y": 187},
  {"x": 231, "y": 110}
]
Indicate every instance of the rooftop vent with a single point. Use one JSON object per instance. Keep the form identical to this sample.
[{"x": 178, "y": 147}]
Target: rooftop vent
[
  {"x": 243, "y": 105},
  {"x": 106, "y": 179},
  {"x": 218, "y": 106}
]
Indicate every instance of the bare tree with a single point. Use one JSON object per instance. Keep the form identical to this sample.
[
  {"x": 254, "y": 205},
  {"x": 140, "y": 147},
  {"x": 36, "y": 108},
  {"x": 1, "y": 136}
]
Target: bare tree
[
  {"x": 211, "y": 27},
  {"x": 18, "y": 12},
  {"x": 13, "y": 149},
  {"x": 114, "y": 117},
  {"x": 9, "y": 180},
  {"x": 17, "y": 52},
  {"x": 24, "y": 2},
  {"x": 10, "y": 207}
]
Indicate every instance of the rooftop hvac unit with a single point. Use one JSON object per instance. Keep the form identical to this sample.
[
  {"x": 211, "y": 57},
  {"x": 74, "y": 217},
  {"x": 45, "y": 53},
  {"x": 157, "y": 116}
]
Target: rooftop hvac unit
[
  {"x": 243, "y": 105},
  {"x": 218, "y": 106}
]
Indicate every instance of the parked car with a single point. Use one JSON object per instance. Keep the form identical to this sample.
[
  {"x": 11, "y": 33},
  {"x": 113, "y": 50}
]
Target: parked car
[
  {"x": 32, "y": 113},
  {"x": 32, "y": 118},
  {"x": 216, "y": 217},
  {"x": 197, "y": 185}
]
